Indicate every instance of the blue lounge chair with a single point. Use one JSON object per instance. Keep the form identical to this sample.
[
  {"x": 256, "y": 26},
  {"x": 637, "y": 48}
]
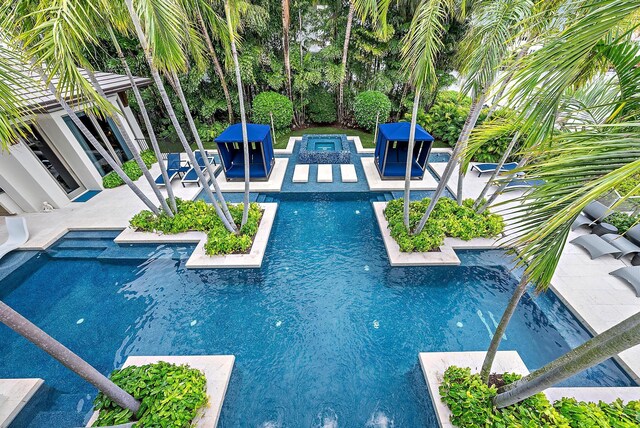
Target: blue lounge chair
[
  {"x": 490, "y": 167},
  {"x": 191, "y": 177},
  {"x": 175, "y": 168},
  {"x": 521, "y": 184}
]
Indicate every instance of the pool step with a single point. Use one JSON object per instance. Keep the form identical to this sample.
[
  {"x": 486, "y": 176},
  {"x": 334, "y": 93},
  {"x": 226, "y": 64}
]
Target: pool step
[
  {"x": 70, "y": 243},
  {"x": 76, "y": 253},
  {"x": 265, "y": 198},
  {"x": 92, "y": 234}
]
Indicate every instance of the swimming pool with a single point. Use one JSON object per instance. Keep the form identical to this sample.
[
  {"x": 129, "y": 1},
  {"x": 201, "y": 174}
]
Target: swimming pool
[
  {"x": 324, "y": 149},
  {"x": 324, "y": 331}
]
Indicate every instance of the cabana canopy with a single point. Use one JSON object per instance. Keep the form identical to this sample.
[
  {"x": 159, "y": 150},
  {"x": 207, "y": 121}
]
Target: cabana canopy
[
  {"x": 392, "y": 146},
  {"x": 261, "y": 157}
]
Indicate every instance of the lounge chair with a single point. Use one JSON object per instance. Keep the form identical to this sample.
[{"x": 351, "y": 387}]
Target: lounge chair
[
  {"x": 491, "y": 167},
  {"x": 629, "y": 243},
  {"x": 18, "y": 234},
  {"x": 596, "y": 246},
  {"x": 594, "y": 212},
  {"x": 175, "y": 167},
  {"x": 521, "y": 184},
  {"x": 191, "y": 177},
  {"x": 631, "y": 274}
]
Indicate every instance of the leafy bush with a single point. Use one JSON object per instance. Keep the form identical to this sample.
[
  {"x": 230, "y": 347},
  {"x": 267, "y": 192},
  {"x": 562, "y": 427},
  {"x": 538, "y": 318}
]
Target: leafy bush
[
  {"x": 200, "y": 216},
  {"x": 447, "y": 219},
  {"x": 170, "y": 396},
  {"x": 322, "y": 106},
  {"x": 471, "y": 405},
  {"x": 269, "y": 102},
  {"x": 131, "y": 168},
  {"x": 367, "y": 105},
  {"x": 208, "y": 133},
  {"x": 629, "y": 185},
  {"x": 622, "y": 221},
  {"x": 470, "y": 402}
]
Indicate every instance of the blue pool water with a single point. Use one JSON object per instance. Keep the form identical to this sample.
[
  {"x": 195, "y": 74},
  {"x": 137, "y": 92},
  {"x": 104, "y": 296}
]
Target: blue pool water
[
  {"x": 323, "y": 142},
  {"x": 325, "y": 331}
]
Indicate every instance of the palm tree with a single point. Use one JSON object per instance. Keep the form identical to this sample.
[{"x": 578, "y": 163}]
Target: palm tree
[
  {"x": 172, "y": 14},
  {"x": 11, "y": 112},
  {"x": 232, "y": 20},
  {"x": 66, "y": 357},
  {"x": 286, "y": 23},
  {"x": 345, "y": 52},
  {"x": 145, "y": 117}
]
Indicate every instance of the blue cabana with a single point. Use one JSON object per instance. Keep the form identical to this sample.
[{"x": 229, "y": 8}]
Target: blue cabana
[
  {"x": 261, "y": 157},
  {"x": 392, "y": 146}
]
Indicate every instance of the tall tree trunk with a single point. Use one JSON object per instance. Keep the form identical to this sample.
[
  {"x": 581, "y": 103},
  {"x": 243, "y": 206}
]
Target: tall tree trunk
[
  {"x": 407, "y": 171},
  {"x": 501, "y": 188},
  {"x": 147, "y": 121},
  {"x": 345, "y": 52},
  {"x": 301, "y": 119},
  {"x": 95, "y": 144},
  {"x": 66, "y": 357},
  {"x": 194, "y": 130},
  {"x": 243, "y": 118},
  {"x": 618, "y": 338},
  {"x": 503, "y": 87},
  {"x": 457, "y": 150},
  {"x": 286, "y": 22},
  {"x": 216, "y": 65},
  {"x": 502, "y": 327},
  {"x": 495, "y": 173},
  {"x": 174, "y": 120},
  {"x": 469, "y": 124},
  {"x": 134, "y": 150}
]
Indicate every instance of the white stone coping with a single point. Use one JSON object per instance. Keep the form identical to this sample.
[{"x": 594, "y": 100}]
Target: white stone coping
[
  {"x": 216, "y": 368},
  {"x": 446, "y": 255},
  {"x": 434, "y": 365},
  {"x": 359, "y": 147},
  {"x": 274, "y": 184},
  {"x": 377, "y": 184},
  {"x": 290, "y": 145},
  {"x": 301, "y": 173},
  {"x": 199, "y": 259},
  {"x": 325, "y": 173},
  {"x": 348, "y": 173},
  {"x": 14, "y": 395}
]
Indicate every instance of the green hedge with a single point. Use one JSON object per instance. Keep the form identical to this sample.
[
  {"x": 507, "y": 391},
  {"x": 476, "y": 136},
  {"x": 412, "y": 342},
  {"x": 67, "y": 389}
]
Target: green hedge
[
  {"x": 322, "y": 106},
  {"x": 200, "y": 216},
  {"x": 367, "y": 106},
  {"x": 170, "y": 396},
  {"x": 470, "y": 402},
  {"x": 269, "y": 102},
  {"x": 622, "y": 221},
  {"x": 447, "y": 219},
  {"x": 131, "y": 168},
  {"x": 628, "y": 186}
]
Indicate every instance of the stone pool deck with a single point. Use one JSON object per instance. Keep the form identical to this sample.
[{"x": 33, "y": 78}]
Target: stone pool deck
[{"x": 14, "y": 395}]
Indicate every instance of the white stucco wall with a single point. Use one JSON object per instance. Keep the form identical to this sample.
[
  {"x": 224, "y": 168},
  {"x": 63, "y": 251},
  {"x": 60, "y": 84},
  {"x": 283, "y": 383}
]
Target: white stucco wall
[
  {"x": 127, "y": 121},
  {"x": 27, "y": 182}
]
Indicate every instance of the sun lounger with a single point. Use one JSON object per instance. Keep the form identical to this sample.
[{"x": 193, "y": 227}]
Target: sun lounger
[
  {"x": 175, "y": 167},
  {"x": 18, "y": 235},
  {"x": 631, "y": 274},
  {"x": 191, "y": 177},
  {"x": 596, "y": 246},
  {"x": 491, "y": 167},
  {"x": 520, "y": 184},
  {"x": 629, "y": 243},
  {"x": 594, "y": 212}
]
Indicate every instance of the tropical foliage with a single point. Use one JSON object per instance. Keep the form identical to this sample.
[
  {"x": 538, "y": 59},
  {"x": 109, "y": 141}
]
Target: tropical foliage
[
  {"x": 268, "y": 105},
  {"x": 371, "y": 107},
  {"x": 322, "y": 106},
  {"x": 200, "y": 216},
  {"x": 131, "y": 168},
  {"x": 448, "y": 219},
  {"x": 170, "y": 395}
]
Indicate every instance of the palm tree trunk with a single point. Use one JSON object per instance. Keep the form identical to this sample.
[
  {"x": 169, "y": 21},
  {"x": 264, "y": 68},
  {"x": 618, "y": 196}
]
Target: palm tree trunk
[
  {"x": 174, "y": 120},
  {"x": 134, "y": 150},
  {"x": 502, "y": 327},
  {"x": 243, "y": 118},
  {"x": 407, "y": 171},
  {"x": 216, "y": 65},
  {"x": 147, "y": 120},
  {"x": 345, "y": 51},
  {"x": 495, "y": 173},
  {"x": 469, "y": 124},
  {"x": 286, "y": 22},
  {"x": 66, "y": 357},
  {"x": 455, "y": 154},
  {"x": 618, "y": 338},
  {"x": 194, "y": 130},
  {"x": 501, "y": 188},
  {"x": 301, "y": 119},
  {"x": 94, "y": 143}
]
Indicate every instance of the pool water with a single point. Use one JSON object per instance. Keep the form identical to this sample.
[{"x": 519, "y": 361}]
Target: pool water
[
  {"x": 324, "y": 143},
  {"x": 324, "y": 146},
  {"x": 326, "y": 333}
]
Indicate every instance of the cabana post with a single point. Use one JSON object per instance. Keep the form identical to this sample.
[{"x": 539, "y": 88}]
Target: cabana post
[
  {"x": 261, "y": 154},
  {"x": 391, "y": 152}
]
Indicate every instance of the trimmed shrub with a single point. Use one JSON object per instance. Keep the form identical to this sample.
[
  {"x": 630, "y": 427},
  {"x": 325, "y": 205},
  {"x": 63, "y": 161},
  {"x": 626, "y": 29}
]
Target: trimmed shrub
[
  {"x": 200, "y": 216},
  {"x": 131, "y": 168},
  {"x": 269, "y": 102},
  {"x": 447, "y": 219},
  {"x": 629, "y": 185},
  {"x": 367, "y": 105},
  {"x": 170, "y": 395},
  {"x": 322, "y": 106},
  {"x": 622, "y": 221},
  {"x": 446, "y": 117}
]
